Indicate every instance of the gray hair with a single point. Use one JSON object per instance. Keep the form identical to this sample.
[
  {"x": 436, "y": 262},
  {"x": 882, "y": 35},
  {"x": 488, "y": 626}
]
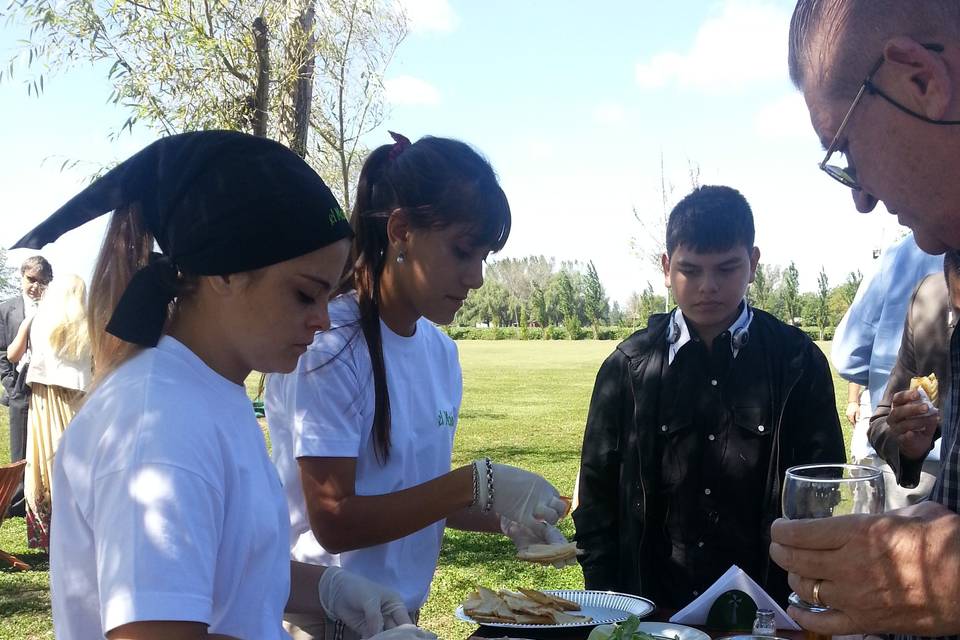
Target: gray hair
[
  {"x": 840, "y": 39},
  {"x": 951, "y": 264}
]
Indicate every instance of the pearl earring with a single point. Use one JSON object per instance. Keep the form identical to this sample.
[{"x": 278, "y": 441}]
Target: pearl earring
[{"x": 401, "y": 257}]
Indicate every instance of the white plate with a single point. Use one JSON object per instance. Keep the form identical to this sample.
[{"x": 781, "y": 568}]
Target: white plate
[
  {"x": 603, "y": 607},
  {"x": 671, "y": 630}
]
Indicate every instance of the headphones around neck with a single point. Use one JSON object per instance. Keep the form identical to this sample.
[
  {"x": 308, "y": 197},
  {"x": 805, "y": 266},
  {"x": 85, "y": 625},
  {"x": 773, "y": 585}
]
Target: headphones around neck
[{"x": 739, "y": 339}]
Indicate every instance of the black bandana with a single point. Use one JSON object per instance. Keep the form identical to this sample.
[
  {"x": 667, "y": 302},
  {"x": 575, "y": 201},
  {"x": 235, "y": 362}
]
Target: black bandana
[{"x": 217, "y": 202}]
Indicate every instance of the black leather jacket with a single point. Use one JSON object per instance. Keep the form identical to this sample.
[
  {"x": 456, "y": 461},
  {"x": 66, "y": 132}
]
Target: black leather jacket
[{"x": 618, "y": 461}]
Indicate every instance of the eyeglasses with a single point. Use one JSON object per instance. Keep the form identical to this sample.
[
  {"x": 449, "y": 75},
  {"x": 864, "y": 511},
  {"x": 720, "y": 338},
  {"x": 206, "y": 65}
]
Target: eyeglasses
[
  {"x": 847, "y": 176},
  {"x": 43, "y": 282}
]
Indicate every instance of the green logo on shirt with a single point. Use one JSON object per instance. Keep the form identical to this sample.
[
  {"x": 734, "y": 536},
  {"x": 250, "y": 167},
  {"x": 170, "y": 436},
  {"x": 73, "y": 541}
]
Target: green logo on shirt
[{"x": 446, "y": 419}]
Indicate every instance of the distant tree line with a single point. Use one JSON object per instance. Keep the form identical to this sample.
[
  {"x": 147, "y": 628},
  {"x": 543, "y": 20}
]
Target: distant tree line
[{"x": 535, "y": 291}]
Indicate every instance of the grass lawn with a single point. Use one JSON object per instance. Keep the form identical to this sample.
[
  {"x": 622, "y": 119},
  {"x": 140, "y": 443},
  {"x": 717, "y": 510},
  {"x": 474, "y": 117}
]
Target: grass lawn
[{"x": 525, "y": 403}]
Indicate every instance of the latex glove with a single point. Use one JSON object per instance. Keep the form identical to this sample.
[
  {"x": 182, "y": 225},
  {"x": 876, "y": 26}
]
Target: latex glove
[
  {"x": 523, "y": 537},
  {"x": 365, "y": 606},
  {"x": 519, "y": 495},
  {"x": 405, "y": 632}
]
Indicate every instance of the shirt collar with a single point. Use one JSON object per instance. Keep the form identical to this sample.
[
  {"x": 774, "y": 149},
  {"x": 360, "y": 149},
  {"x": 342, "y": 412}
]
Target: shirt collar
[
  {"x": 678, "y": 334},
  {"x": 28, "y": 302}
]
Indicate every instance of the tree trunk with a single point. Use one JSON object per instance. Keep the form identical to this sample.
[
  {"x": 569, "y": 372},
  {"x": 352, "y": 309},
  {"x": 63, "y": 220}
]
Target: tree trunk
[
  {"x": 262, "y": 100},
  {"x": 303, "y": 91}
]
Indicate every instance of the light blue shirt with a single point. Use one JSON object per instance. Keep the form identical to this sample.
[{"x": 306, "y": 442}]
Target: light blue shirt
[{"x": 867, "y": 340}]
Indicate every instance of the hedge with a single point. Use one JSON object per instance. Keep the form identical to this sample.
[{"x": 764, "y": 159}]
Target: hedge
[
  {"x": 535, "y": 333},
  {"x": 560, "y": 333}
]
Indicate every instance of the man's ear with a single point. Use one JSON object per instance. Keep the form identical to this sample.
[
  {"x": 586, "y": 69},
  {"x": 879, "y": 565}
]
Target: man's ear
[
  {"x": 665, "y": 264},
  {"x": 920, "y": 76},
  {"x": 754, "y": 261}
]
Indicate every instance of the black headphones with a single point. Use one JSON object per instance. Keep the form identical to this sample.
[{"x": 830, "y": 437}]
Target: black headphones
[
  {"x": 740, "y": 338},
  {"x": 673, "y": 332}
]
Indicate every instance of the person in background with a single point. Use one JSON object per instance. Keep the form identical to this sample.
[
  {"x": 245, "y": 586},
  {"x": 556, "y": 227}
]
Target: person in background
[
  {"x": 60, "y": 370},
  {"x": 865, "y": 347},
  {"x": 35, "y": 274},
  {"x": 169, "y": 519},
  {"x": 903, "y": 430},
  {"x": 695, "y": 419},
  {"x": 363, "y": 429}
]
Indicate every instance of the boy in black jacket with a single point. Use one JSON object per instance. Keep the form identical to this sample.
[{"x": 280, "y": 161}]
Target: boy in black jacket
[{"x": 695, "y": 419}]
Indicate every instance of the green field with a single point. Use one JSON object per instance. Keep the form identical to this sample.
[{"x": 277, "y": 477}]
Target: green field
[{"x": 524, "y": 404}]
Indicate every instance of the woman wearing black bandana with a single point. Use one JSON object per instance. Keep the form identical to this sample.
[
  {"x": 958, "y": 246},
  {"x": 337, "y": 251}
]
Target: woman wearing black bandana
[{"x": 170, "y": 518}]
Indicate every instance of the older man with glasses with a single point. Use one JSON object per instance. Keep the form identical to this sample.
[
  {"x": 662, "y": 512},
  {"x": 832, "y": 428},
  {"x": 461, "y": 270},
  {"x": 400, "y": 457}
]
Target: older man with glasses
[
  {"x": 35, "y": 274},
  {"x": 881, "y": 79}
]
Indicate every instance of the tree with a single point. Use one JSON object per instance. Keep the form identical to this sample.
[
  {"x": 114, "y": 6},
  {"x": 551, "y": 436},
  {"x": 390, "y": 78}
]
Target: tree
[
  {"x": 651, "y": 244},
  {"x": 848, "y": 290},
  {"x": 190, "y": 65},
  {"x": 790, "y": 293},
  {"x": 566, "y": 302},
  {"x": 595, "y": 302},
  {"x": 760, "y": 293},
  {"x": 538, "y": 306},
  {"x": 823, "y": 293},
  {"x": 9, "y": 282},
  {"x": 616, "y": 314},
  {"x": 640, "y": 306},
  {"x": 356, "y": 41}
]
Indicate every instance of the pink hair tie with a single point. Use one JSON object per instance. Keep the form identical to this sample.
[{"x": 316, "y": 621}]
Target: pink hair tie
[{"x": 400, "y": 144}]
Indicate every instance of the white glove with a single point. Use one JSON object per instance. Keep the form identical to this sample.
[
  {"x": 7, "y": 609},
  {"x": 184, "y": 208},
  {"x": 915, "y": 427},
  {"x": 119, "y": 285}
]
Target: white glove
[
  {"x": 542, "y": 533},
  {"x": 365, "y": 606},
  {"x": 519, "y": 495},
  {"x": 405, "y": 632}
]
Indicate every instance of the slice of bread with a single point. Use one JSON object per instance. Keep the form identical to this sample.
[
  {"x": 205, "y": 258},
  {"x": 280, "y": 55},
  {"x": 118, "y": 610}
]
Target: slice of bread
[{"x": 929, "y": 384}]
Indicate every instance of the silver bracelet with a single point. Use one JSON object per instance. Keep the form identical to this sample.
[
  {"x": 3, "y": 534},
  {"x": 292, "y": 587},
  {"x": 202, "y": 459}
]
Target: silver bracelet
[
  {"x": 489, "y": 505},
  {"x": 476, "y": 486}
]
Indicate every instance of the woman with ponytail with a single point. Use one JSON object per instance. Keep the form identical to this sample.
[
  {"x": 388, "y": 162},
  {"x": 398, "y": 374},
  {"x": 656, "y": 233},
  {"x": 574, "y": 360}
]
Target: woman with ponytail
[
  {"x": 366, "y": 469},
  {"x": 170, "y": 521}
]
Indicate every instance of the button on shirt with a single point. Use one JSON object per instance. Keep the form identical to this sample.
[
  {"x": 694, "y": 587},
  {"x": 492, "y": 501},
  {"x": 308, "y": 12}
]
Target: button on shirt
[{"x": 713, "y": 448}]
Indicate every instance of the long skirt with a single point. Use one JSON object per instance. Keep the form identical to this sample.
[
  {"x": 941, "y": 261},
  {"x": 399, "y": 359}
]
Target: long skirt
[{"x": 51, "y": 410}]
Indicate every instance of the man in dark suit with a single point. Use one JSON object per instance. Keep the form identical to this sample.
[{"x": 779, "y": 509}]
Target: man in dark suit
[{"x": 35, "y": 274}]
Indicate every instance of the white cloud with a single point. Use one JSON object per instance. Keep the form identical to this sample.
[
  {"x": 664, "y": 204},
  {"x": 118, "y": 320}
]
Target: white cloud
[
  {"x": 786, "y": 118},
  {"x": 427, "y": 16},
  {"x": 411, "y": 91},
  {"x": 745, "y": 43},
  {"x": 609, "y": 113}
]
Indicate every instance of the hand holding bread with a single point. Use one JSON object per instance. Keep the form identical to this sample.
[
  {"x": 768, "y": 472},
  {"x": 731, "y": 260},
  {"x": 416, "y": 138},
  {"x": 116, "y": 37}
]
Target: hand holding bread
[{"x": 914, "y": 417}]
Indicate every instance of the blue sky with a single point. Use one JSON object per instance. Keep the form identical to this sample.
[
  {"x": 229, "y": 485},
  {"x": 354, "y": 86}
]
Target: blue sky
[{"x": 572, "y": 102}]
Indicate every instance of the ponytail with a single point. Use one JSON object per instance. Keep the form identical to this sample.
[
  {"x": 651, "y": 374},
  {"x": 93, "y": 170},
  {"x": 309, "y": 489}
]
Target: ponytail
[
  {"x": 368, "y": 257},
  {"x": 126, "y": 249}
]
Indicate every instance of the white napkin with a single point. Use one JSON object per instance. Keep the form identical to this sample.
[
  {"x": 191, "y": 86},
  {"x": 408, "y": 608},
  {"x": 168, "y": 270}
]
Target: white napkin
[
  {"x": 696, "y": 612},
  {"x": 931, "y": 409}
]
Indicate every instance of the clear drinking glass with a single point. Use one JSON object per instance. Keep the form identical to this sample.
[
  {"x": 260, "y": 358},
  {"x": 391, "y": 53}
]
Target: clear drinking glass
[{"x": 826, "y": 490}]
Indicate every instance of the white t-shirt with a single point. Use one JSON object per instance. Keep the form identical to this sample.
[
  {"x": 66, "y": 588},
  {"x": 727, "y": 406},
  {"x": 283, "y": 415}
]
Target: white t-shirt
[
  {"x": 325, "y": 409},
  {"x": 168, "y": 507}
]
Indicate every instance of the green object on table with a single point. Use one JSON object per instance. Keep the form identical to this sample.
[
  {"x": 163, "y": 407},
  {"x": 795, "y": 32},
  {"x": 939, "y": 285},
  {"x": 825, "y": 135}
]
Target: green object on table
[
  {"x": 626, "y": 630},
  {"x": 732, "y": 611}
]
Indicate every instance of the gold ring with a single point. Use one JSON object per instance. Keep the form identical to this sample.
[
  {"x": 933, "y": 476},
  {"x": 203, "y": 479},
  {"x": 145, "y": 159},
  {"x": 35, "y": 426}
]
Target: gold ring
[{"x": 816, "y": 593}]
